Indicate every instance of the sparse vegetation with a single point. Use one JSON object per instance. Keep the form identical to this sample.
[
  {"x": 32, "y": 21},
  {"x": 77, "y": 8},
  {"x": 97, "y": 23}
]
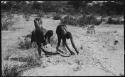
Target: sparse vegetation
[
  {"x": 25, "y": 43},
  {"x": 16, "y": 70},
  {"x": 32, "y": 61},
  {"x": 13, "y": 68},
  {"x": 10, "y": 70}
]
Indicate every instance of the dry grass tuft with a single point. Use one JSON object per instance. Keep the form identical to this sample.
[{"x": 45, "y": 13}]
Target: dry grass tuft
[
  {"x": 25, "y": 43},
  {"x": 10, "y": 69},
  {"x": 114, "y": 21}
]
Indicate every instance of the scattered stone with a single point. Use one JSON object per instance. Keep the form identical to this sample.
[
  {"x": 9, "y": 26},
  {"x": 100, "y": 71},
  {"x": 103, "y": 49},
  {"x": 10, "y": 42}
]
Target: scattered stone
[
  {"x": 115, "y": 42},
  {"x": 78, "y": 68},
  {"x": 115, "y": 31}
]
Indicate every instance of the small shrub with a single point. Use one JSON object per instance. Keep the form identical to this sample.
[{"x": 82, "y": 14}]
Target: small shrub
[
  {"x": 57, "y": 17},
  {"x": 114, "y": 21},
  {"x": 10, "y": 71},
  {"x": 109, "y": 20},
  {"x": 25, "y": 43},
  {"x": 82, "y": 21},
  {"x": 81, "y": 47},
  {"x": 88, "y": 20}
]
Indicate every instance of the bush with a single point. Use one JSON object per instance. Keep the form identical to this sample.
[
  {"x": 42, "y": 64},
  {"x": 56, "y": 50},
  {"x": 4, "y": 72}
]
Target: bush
[
  {"x": 114, "y": 21},
  {"x": 22, "y": 62},
  {"x": 31, "y": 61},
  {"x": 57, "y": 17},
  {"x": 25, "y": 43},
  {"x": 80, "y": 20},
  {"x": 26, "y": 17},
  {"x": 10, "y": 71},
  {"x": 69, "y": 20},
  {"x": 88, "y": 20},
  {"x": 83, "y": 20}
]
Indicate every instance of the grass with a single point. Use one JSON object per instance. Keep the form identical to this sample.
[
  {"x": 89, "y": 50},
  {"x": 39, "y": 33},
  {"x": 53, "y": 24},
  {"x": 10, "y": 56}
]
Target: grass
[
  {"x": 27, "y": 56},
  {"x": 88, "y": 20},
  {"x": 25, "y": 43},
  {"x": 82, "y": 20},
  {"x": 16, "y": 70},
  {"x": 21, "y": 61}
]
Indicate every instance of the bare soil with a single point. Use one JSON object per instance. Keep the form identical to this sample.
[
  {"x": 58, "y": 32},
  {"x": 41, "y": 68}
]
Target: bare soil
[{"x": 98, "y": 54}]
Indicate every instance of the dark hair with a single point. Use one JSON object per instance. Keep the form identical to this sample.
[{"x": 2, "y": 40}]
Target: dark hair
[
  {"x": 68, "y": 35},
  {"x": 49, "y": 33}
]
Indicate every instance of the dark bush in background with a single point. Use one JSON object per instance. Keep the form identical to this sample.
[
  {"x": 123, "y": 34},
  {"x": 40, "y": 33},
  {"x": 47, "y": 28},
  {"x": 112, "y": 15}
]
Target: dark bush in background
[
  {"x": 6, "y": 21},
  {"x": 109, "y": 7},
  {"x": 82, "y": 20},
  {"x": 71, "y": 8},
  {"x": 69, "y": 20},
  {"x": 114, "y": 21},
  {"x": 57, "y": 17}
]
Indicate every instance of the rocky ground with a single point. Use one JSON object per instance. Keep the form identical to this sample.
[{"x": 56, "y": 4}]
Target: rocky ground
[{"x": 99, "y": 56}]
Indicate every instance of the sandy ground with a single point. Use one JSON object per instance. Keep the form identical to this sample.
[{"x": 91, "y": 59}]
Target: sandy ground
[{"x": 98, "y": 54}]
